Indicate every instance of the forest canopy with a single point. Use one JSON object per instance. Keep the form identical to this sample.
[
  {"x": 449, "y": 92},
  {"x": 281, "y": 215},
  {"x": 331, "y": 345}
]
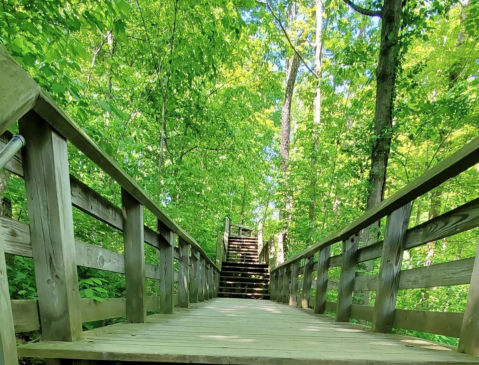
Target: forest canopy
[{"x": 298, "y": 114}]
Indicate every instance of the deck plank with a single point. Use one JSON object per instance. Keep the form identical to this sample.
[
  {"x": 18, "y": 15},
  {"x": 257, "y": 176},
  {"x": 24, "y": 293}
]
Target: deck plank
[{"x": 247, "y": 332}]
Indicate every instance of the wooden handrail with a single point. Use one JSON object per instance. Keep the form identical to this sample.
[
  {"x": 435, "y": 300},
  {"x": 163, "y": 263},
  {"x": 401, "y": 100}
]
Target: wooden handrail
[
  {"x": 29, "y": 96},
  {"x": 458, "y": 162}
]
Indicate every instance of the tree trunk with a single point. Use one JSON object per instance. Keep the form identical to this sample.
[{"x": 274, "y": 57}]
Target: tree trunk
[{"x": 317, "y": 115}]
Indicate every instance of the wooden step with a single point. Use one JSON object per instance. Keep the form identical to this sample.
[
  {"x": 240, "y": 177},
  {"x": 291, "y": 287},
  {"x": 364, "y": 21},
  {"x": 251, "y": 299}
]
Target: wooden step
[
  {"x": 245, "y": 279},
  {"x": 241, "y": 284},
  {"x": 243, "y": 288},
  {"x": 243, "y": 295}
]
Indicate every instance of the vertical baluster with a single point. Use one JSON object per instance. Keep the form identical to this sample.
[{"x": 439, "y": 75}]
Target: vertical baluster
[
  {"x": 286, "y": 279},
  {"x": 133, "y": 238},
  {"x": 390, "y": 269},
  {"x": 167, "y": 249},
  {"x": 183, "y": 277},
  {"x": 307, "y": 281},
  {"x": 47, "y": 180},
  {"x": 207, "y": 281},
  {"x": 293, "y": 295},
  {"x": 194, "y": 276},
  {"x": 272, "y": 285},
  {"x": 201, "y": 279},
  {"x": 322, "y": 281},
  {"x": 469, "y": 339},
  {"x": 279, "y": 285},
  {"x": 346, "y": 281},
  {"x": 8, "y": 345}
]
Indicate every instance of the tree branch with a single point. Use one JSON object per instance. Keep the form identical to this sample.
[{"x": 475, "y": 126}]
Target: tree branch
[
  {"x": 287, "y": 37},
  {"x": 363, "y": 11}
]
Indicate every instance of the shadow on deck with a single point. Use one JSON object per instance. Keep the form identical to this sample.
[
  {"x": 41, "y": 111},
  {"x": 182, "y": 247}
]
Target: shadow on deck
[{"x": 244, "y": 331}]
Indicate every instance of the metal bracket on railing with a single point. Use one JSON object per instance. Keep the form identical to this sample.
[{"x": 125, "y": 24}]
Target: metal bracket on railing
[{"x": 12, "y": 147}]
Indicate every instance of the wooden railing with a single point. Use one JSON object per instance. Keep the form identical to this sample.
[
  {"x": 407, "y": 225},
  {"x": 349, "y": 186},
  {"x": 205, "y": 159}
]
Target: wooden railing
[
  {"x": 49, "y": 237},
  {"x": 286, "y": 284}
]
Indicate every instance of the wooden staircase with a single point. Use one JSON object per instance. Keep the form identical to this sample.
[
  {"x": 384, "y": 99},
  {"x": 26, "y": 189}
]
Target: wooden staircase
[{"x": 242, "y": 275}]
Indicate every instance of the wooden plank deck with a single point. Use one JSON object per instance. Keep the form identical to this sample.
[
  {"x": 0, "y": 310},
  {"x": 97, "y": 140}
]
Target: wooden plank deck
[{"x": 243, "y": 332}]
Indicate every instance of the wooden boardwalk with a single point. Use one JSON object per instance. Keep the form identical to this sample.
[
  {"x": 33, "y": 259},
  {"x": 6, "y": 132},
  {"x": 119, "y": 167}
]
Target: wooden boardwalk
[{"x": 245, "y": 331}]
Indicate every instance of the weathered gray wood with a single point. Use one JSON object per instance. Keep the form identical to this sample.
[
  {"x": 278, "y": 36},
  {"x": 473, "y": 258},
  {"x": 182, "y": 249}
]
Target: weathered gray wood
[
  {"x": 293, "y": 294},
  {"x": 272, "y": 285},
  {"x": 247, "y": 332},
  {"x": 8, "y": 346},
  {"x": 322, "y": 281},
  {"x": 133, "y": 238},
  {"x": 166, "y": 268},
  {"x": 456, "y": 163},
  {"x": 346, "y": 282},
  {"x": 390, "y": 269},
  {"x": 51, "y": 229},
  {"x": 207, "y": 282},
  {"x": 183, "y": 275},
  {"x": 201, "y": 279},
  {"x": 48, "y": 109},
  {"x": 286, "y": 281},
  {"x": 194, "y": 276},
  {"x": 18, "y": 91},
  {"x": 449, "y": 273},
  {"x": 307, "y": 281},
  {"x": 469, "y": 340},
  {"x": 25, "y": 315},
  {"x": 279, "y": 286},
  {"x": 440, "y": 323}
]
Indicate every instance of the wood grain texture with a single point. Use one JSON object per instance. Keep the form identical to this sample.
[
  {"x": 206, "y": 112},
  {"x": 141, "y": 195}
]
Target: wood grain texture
[
  {"x": 167, "y": 271},
  {"x": 440, "y": 323},
  {"x": 194, "y": 276},
  {"x": 307, "y": 281},
  {"x": 346, "y": 282},
  {"x": 47, "y": 183},
  {"x": 293, "y": 294},
  {"x": 8, "y": 345},
  {"x": 51, "y": 112},
  {"x": 18, "y": 91},
  {"x": 456, "y": 163},
  {"x": 469, "y": 340},
  {"x": 273, "y": 288},
  {"x": 201, "y": 279},
  {"x": 133, "y": 238},
  {"x": 322, "y": 281},
  {"x": 390, "y": 269},
  {"x": 279, "y": 285},
  {"x": 247, "y": 332},
  {"x": 183, "y": 274},
  {"x": 286, "y": 287}
]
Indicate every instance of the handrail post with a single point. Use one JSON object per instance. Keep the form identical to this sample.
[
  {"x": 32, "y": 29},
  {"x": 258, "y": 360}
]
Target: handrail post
[
  {"x": 133, "y": 238},
  {"x": 183, "y": 277},
  {"x": 219, "y": 250},
  {"x": 260, "y": 237},
  {"x": 8, "y": 345},
  {"x": 207, "y": 282},
  {"x": 390, "y": 269},
  {"x": 167, "y": 249},
  {"x": 307, "y": 281},
  {"x": 286, "y": 289},
  {"x": 469, "y": 338},
  {"x": 322, "y": 280},
  {"x": 272, "y": 285},
  {"x": 226, "y": 235},
  {"x": 279, "y": 285},
  {"x": 346, "y": 281},
  {"x": 47, "y": 181},
  {"x": 194, "y": 276},
  {"x": 201, "y": 281},
  {"x": 293, "y": 294}
]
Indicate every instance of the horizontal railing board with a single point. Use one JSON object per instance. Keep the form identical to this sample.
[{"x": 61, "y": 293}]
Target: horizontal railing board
[
  {"x": 453, "y": 165},
  {"x": 446, "y": 274},
  {"x": 461, "y": 219},
  {"x": 49, "y": 110},
  {"x": 16, "y": 236},
  {"x": 26, "y": 317},
  {"x": 439, "y": 323},
  {"x": 87, "y": 200}
]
